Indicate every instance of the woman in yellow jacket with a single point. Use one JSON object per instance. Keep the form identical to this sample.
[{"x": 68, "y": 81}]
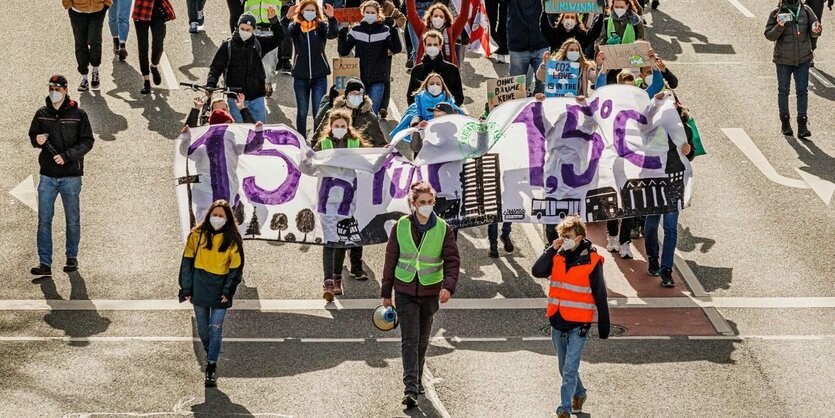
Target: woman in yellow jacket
[{"x": 210, "y": 272}]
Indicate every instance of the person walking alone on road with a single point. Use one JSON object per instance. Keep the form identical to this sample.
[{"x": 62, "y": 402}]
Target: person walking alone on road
[
  {"x": 118, "y": 18},
  {"x": 577, "y": 288},
  {"x": 63, "y": 133},
  {"x": 87, "y": 19},
  {"x": 422, "y": 266},
  {"x": 210, "y": 271},
  {"x": 150, "y": 16},
  {"x": 791, "y": 27},
  {"x": 339, "y": 134}
]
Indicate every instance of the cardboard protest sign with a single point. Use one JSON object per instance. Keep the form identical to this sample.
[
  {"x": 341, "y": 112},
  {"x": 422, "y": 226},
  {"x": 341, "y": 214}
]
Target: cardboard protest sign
[
  {"x": 500, "y": 90},
  {"x": 343, "y": 69},
  {"x": 348, "y": 14},
  {"x": 562, "y": 78},
  {"x": 626, "y": 56},
  {"x": 572, "y": 6}
]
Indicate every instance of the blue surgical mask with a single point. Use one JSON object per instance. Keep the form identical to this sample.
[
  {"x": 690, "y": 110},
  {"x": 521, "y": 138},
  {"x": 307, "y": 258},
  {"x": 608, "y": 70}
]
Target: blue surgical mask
[
  {"x": 309, "y": 15},
  {"x": 370, "y": 17},
  {"x": 572, "y": 56}
]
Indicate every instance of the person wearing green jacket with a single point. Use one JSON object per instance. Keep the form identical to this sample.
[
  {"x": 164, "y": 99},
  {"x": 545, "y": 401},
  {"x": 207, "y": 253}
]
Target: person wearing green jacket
[{"x": 623, "y": 26}]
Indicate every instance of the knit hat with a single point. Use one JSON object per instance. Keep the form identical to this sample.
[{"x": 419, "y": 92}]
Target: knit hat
[
  {"x": 57, "y": 80},
  {"x": 247, "y": 18},
  {"x": 442, "y": 107},
  {"x": 219, "y": 116},
  {"x": 354, "y": 84}
]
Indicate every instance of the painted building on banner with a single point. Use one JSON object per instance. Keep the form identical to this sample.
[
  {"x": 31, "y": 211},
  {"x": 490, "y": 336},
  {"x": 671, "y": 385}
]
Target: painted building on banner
[
  {"x": 481, "y": 188},
  {"x": 656, "y": 194},
  {"x": 602, "y": 204}
]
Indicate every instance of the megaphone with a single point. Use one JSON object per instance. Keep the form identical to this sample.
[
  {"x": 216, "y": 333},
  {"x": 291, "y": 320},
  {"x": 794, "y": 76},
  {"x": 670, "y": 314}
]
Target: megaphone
[{"x": 385, "y": 318}]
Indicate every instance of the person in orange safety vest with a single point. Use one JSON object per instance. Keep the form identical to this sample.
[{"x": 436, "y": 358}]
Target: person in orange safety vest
[{"x": 576, "y": 290}]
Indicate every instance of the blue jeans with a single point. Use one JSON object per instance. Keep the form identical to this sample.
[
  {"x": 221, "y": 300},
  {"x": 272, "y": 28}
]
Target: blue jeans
[
  {"x": 307, "y": 92},
  {"x": 48, "y": 190},
  {"x": 801, "y": 87},
  {"x": 210, "y": 329},
  {"x": 670, "y": 237},
  {"x": 569, "y": 345},
  {"x": 493, "y": 231},
  {"x": 414, "y": 38},
  {"x": 527, "y": 62},
  {"x": 118, "y": 17},
  {"x": 375, "y": 93},
  {"x": 257, "y": 108}
]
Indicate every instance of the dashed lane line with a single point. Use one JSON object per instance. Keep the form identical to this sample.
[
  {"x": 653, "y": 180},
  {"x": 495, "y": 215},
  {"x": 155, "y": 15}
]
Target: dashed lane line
[
  {"x": 688, "y": 301},
  {"x": 742, "y": 9}
]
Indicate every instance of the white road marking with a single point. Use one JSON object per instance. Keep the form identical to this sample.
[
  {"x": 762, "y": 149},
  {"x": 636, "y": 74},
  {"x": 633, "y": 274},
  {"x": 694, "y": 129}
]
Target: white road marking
[
  {"x": 26, "y": 193},
  {"x": 394, "y": 112},
  {"x": 688, "y": 301},
  {"x": 169, "y": 80},
  {"x": 826, "y": 83},
  {"x": 745, "y": 12},
  {"x": 823, "y": 188},
  {"x": 434, "y": 340},
  {"x": 431, "y": 394}
]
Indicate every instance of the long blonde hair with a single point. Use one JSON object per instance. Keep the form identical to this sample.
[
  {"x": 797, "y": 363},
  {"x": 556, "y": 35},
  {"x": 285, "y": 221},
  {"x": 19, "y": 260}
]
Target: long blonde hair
[
  {"x": 561, "y": 54},
  {"x": 422, "y": 86}
]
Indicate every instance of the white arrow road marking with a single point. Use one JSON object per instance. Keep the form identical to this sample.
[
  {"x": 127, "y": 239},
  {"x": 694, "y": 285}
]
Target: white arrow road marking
[
  {"x": 25, "y": 192},
  {"x": 823, "y": 81},
  {"x": 747, "y": 146},
  {"x": 169, "y": 80},
  {"x": 822, "y": 188},
  {"x": 742, "y": 9}
]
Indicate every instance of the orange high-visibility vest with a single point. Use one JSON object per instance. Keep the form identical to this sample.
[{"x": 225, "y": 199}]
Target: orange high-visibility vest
[{"x": 570, "y": 292}]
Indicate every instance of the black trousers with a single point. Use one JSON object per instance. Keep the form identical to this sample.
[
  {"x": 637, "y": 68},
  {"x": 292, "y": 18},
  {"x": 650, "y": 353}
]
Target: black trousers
[
  {"x": 86, "y": 31},
  {"x": 625, "y": 229},
  {"x": 333, "y": 260},
  {"x": 817, "y": 7},
  {"x": 416, "y": 315},
  {"x": 497, "y": 13},
  {"x": 156, "y": 29},
  {"x": 236, "y": 9}
]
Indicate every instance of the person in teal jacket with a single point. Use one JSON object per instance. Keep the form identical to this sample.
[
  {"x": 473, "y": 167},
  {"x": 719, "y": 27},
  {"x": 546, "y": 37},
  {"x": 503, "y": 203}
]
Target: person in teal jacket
[
  {"x": 431, "y": 92},
  {"x": 210, "y": 272}
]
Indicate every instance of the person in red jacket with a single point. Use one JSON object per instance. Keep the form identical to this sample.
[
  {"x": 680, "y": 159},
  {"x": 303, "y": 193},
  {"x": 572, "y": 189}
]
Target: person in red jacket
[
  {"x": 577, "y": 289},
  {"x": 422, "y": 265},
  {"x": 438, "y": 17},
  {"x": 150, "y": 16}
]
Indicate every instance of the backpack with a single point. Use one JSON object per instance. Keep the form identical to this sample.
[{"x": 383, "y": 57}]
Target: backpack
[{"x": 228, "y": 43}]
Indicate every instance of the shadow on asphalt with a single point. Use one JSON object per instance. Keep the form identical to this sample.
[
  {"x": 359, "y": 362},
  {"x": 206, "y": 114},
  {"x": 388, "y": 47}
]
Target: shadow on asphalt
[
  {"x": 216, "y": 403},
  {"x": 711, "y": 278},
  {"x": 77, "y": 323},
  {"x": 818, "y": 162},
  {"x": 202, "y": 51},
  {"x": 106, "y": 123},
  {"x": 664, "y": 24},
  {"x": 161, "y": 118}
]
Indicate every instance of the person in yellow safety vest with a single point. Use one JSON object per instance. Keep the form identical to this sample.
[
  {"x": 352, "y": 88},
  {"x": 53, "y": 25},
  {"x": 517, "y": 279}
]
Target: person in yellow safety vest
[
  {"x": 576, "y": 289},
  {"x": 259, "y": 9},
  {"x": 339, "y": 134},
  {"x": 422, "y": 265}
]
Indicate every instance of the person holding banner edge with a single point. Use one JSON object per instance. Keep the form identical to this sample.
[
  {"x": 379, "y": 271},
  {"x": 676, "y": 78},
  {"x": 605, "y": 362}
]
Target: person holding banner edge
[
  {"x": 421, "y": 267},
  {"x": 339, "y": 134}
]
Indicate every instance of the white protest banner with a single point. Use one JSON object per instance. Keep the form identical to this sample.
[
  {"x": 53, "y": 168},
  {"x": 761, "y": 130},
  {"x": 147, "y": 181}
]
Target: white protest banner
[
  {"x": 562, "y": 78},
  {"x": 615, "y": 155}
]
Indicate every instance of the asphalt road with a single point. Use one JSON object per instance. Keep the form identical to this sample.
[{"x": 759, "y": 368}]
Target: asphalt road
[{"x": 760, "y": 250}]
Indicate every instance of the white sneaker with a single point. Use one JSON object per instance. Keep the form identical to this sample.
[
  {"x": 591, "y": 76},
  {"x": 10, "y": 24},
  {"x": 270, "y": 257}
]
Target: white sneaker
[
  {"x": 613, "y": 244},
  {"x": 626, "y": 251}
]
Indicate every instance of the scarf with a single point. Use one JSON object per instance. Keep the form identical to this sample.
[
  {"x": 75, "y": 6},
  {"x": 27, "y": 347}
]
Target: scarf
[{"x": 305, "y": 25}]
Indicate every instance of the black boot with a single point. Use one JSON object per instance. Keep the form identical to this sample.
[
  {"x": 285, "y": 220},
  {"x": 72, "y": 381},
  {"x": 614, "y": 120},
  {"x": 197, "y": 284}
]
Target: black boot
[
  {"x": 786, "y": 125},
  {"x": 802, "y": 130},
  {"x": 116, "y": 45},
  {"x": 41, "y": 270},
  {"x": 146, "y": 88},
  {"x": 494, "y": 250},
  {"x": 211, "y": 375}
]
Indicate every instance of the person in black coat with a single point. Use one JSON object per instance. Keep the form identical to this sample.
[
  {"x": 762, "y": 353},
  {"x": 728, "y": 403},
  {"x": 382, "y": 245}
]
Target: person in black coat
[
  {"x": 817, "y": 7},
  {"x": 433, "y": 63},
  {"x": 556, "y": 29},
  {"x": 238, "y": 60},
  {"x": 64, "y": 135}
]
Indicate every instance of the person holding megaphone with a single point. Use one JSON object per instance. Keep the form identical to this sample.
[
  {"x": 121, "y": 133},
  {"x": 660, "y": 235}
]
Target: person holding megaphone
[{"x": 422, "y": 265}]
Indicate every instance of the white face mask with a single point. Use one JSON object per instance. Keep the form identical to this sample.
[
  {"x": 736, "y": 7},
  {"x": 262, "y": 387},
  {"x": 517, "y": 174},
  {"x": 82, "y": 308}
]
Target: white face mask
[
  {"x": 217, "y": 222},
  {"x": 56, "y": 96},
  {"x": 354, "y": 101},
  {"x": 433, "y": 51},
  {"x": 648, "y": 80},
  {"x": 438, "y": 22},
  {"x": 244, "y": 35},
  {"x": 568, "y": 244},
  {"x": 309, "y": 15},
  {"x": 371, "y": 17},
  {"x": 572, "y": 56},
  {"x": 338, "y": 133},
  {"x": 569, "y": 24},
  {"x": 620, "y": 12},
  {"x": 435, "y": 89},
  {"x": 425, "y": 210}
]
